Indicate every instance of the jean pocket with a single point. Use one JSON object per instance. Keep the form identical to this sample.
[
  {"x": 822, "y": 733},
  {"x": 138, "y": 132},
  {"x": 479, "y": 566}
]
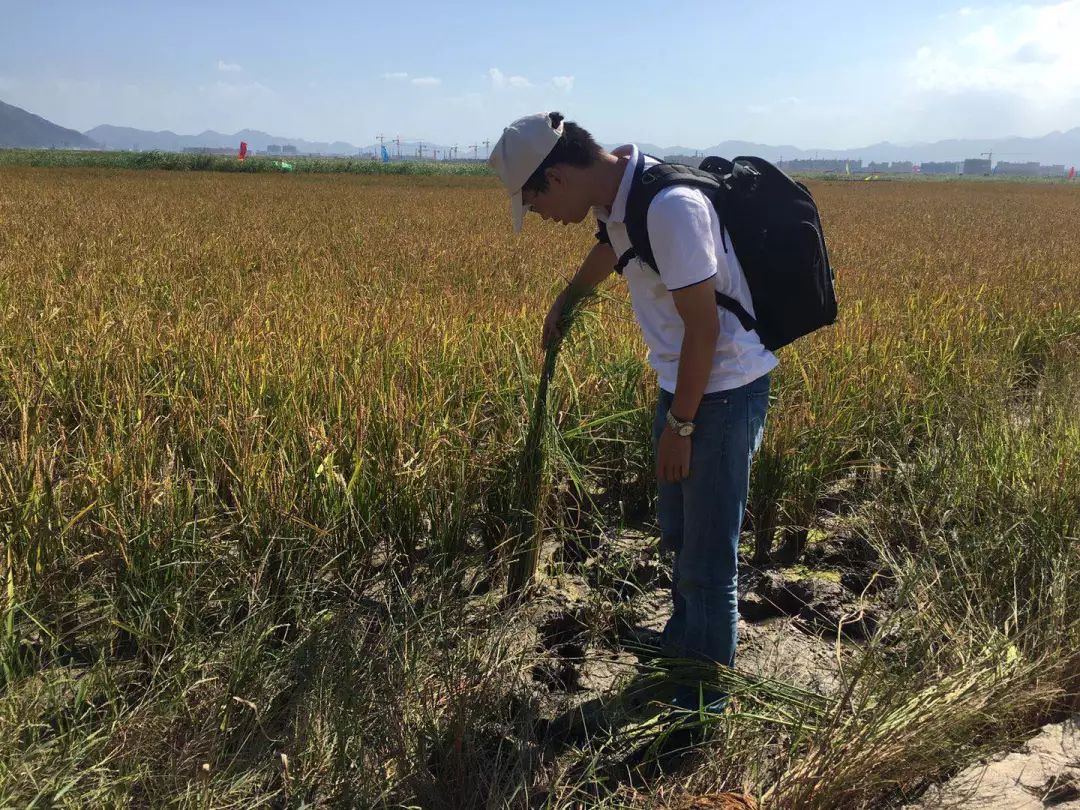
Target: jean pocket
[{"x": 715, "y": 398}]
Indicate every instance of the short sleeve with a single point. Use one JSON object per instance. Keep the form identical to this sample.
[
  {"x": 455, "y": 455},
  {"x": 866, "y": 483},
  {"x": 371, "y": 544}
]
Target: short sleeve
[
  {"x": 601, "y": 233},
  {"x": 681, "y": 236}
]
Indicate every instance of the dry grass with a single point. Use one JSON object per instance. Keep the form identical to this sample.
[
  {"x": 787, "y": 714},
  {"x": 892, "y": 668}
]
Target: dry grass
[{"x": 258, "y": 444}]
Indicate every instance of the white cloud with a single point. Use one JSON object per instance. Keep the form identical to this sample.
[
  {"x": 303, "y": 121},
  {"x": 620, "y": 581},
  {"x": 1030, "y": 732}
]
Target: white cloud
[
  {"x": 953, "y": 15},
  {"x": 994, "y": 71},
  {"x": 564, "y": 83},
  {"x": 1034, "y": 52},
  {"x": 396, "y": 75},
  {"x": 426, "y": 81},
  {"x": 1027, "y": 51},
  {"x": 228, "y": 67},
  {"x": 500, "y": 80}
]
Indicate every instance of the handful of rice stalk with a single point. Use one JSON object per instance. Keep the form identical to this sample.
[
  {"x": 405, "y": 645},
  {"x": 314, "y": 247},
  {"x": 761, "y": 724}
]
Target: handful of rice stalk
[{"x": 530, "y": 478}]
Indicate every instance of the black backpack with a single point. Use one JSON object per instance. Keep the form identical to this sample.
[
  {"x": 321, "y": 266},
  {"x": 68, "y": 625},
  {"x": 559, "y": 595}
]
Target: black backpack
[{"x": 775, "y": 232}]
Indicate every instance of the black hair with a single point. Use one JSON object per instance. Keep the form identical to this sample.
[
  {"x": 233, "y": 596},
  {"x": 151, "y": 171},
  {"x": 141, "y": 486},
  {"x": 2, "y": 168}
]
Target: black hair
[{"x": 575, "y": 147}]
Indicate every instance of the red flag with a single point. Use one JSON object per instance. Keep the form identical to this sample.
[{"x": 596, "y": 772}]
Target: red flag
[
  {"x": 243, "y": 150},
  {"x": 1072, "y": 173}
]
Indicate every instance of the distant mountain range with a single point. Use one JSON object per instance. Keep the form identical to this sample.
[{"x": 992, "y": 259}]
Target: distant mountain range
[
  {"x": 20, "y": 128},
  {"x": 166, "y": 141},
  {"x": 124, "y": 138}
]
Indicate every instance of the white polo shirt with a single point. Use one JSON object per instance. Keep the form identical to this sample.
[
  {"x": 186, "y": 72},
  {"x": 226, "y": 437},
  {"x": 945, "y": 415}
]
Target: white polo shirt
[{"x": 684, "y": 232}]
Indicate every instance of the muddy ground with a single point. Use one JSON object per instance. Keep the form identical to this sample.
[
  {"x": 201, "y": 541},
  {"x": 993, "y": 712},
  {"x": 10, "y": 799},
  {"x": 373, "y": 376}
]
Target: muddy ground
[{"x": 798, "y": 624}]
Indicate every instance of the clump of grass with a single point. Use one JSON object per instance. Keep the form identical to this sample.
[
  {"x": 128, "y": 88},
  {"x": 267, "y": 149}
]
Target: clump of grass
[{"x": 527, "y": 534}]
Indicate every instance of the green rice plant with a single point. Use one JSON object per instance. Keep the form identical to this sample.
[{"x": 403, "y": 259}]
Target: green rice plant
[{"x": 526, "y": 536}]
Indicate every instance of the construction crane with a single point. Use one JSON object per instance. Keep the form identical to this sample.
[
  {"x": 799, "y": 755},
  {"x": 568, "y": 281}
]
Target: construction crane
[
  {"x": 474, "y": 147},
  {"x": 990, "y": 157}
]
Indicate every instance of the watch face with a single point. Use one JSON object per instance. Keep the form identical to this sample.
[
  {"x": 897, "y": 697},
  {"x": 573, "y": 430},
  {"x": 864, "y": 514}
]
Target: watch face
[{"x": 686, "y": 430}]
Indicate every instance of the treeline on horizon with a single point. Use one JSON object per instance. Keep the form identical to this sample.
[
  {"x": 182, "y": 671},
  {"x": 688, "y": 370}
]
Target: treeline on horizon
[{"x": 184, "y": 161}]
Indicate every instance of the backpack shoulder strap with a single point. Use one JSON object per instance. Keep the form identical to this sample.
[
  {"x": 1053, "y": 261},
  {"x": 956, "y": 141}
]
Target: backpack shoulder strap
[{"x": 646, "y": 184}]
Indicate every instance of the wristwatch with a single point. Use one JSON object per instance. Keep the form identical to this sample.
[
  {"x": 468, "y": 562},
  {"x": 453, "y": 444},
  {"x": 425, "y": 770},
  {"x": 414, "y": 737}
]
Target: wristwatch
[{"x": 683, "y": 429}]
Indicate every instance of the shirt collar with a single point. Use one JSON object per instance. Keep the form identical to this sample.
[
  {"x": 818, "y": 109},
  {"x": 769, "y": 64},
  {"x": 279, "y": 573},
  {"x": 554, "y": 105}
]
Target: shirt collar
[{"x": 618, "y": 207}]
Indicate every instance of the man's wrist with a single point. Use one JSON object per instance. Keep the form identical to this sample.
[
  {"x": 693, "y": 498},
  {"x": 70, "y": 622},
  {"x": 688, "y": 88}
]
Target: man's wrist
[
  {"x": 573, "y": 291},
  {"x": 677, "y": 435},
  {"x": 683, "y": 428}
]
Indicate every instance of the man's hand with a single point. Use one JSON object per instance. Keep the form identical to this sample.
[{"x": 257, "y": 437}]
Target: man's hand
[
  {"x": 673, "y": 456},
  {"x": 551, "y": 322},
  {"x": 598, "y": 265}
]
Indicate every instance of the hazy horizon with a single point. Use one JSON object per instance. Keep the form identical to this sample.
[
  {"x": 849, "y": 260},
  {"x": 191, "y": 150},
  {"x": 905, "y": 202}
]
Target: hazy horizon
[{"x": 836, "y": 76}]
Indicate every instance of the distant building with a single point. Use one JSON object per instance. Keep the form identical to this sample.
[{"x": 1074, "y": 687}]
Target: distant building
[
  {"x": 977, "y": 166},
  {"x": 821, "y": 165},
  {"x": 1056, "y": 170},
  {"x": 685, "y": 160},
  {"x": 1007, "y": 169},
  {"x": 934, "y": 167},
  {"x": 282, "y": 149}
]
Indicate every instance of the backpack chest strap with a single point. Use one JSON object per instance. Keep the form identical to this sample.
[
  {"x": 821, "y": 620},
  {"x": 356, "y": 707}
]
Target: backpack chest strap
[{"x": 624, "y": 260}]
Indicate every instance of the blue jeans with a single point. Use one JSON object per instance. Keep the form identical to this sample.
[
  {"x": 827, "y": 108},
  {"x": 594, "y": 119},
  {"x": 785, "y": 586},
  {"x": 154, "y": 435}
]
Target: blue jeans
[{"x": 700, "y": 519}]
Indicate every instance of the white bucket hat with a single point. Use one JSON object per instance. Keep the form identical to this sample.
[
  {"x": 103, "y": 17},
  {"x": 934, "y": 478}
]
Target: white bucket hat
[{"x": 519, "y": 152}]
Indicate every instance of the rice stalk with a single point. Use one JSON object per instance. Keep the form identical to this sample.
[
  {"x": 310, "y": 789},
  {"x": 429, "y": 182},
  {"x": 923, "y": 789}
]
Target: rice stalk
[{"x": 526, "y": 535}]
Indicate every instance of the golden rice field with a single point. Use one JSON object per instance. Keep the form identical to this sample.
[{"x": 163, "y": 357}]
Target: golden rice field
[{"x": 258, "y": 445}]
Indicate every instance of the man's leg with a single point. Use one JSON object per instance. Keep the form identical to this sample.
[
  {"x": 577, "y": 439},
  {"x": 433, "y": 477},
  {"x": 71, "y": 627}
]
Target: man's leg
[{"x": 729, "y": 426}]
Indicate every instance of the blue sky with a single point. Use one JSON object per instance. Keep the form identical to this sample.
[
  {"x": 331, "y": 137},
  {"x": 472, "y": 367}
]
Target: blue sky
[{"x": 833, "y": 74}]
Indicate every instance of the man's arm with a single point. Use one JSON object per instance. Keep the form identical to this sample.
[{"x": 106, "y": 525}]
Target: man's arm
[
  {"x": 687, "y": 258},
  {"x": 598, "y": 265},
  {"x": 696, "y": 306}
]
